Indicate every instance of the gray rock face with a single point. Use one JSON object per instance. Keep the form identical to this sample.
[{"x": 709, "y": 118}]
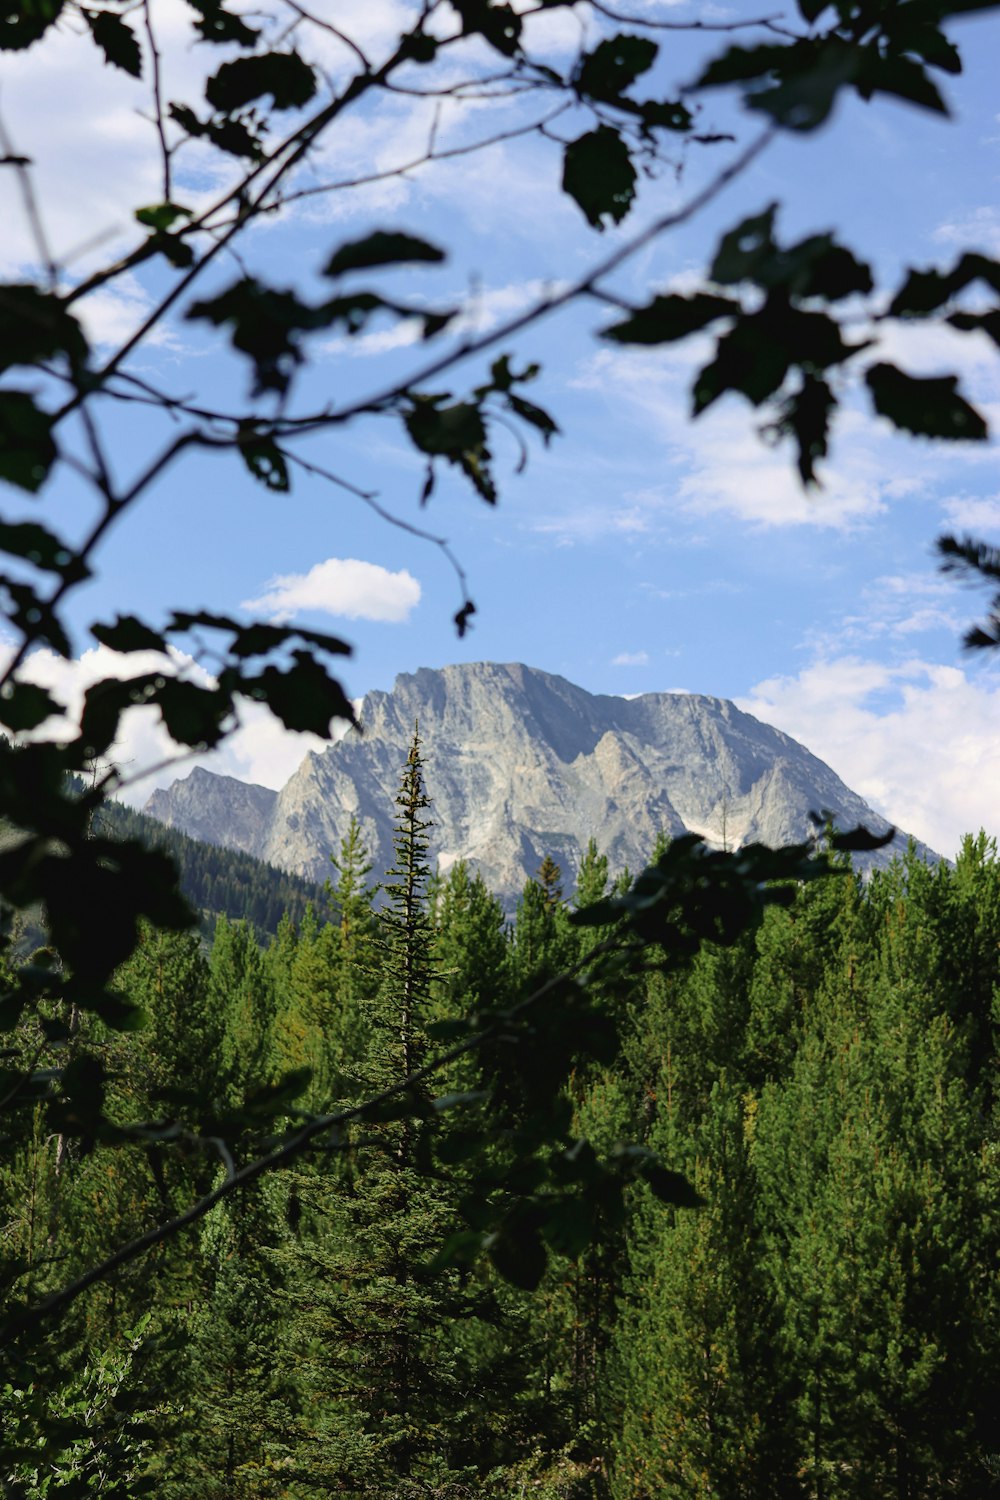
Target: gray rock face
[
  {"x": 216, "y": 809},
  {"x": 520, "y": 764}
]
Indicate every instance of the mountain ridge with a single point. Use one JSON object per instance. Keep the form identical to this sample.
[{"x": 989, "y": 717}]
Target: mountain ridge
[{"x": 521, "y": 763}]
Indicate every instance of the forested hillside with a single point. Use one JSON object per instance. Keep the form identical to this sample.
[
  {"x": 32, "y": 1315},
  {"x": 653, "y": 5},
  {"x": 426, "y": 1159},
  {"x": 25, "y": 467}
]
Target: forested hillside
[
  {"x": 825, "y": 1324},
  {"x": 218, "y": 882}
]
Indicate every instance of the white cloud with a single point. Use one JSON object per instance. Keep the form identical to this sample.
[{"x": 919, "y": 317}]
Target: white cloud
[
  {"x": 342, "y": 586},
  {"x": 631, "y": 659},
  {"x": 973, "y": 513},
  {"x": 919, "y": 741},
  {"x": 979, "y": 230}
]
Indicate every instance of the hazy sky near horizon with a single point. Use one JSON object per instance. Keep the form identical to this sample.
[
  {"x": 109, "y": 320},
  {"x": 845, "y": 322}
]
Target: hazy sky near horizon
[{"x": 641, "y": 551}]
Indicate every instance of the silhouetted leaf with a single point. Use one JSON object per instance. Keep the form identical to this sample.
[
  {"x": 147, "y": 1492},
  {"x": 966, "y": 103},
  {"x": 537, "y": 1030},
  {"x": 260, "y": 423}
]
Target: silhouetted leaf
[
  {"x": 455, "y": 432},
  {"x": 860, "y": 840},
  {"x": 670, "y": 317},
  {"x": 381, "y": 248},
  {"x": 24, "y": 705},
  {"x": 614, "y": 65},
  {"x": 265, "y": 460},
  {"x": 128, "y": 634},
  {"x": 289, "y": 80},
  {"x": 27, "y": 451},
  {"x": 928, "y": 406},
  {"x": 805, "y": 417},
  {"x": 35, "y": 325},
  {"x": 116, "y": 40},
  {"x": 599, "y": 176},
  {"x": 42, "y": 548},
  {"x": 303, "y": 697},
  {"x": 217, "y": 24},
  {"x": 24, "y": 21}
]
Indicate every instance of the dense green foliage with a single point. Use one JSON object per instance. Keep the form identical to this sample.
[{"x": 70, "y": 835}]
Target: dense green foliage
[{"x": 824, "y": 1325}]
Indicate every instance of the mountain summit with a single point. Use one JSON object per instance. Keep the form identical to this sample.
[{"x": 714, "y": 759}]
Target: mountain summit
[{"x": 520, "y": 764}]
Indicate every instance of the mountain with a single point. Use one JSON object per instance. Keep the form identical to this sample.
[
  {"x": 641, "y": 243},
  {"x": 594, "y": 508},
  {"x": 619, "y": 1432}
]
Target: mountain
[{"x": 520, "y": 764}]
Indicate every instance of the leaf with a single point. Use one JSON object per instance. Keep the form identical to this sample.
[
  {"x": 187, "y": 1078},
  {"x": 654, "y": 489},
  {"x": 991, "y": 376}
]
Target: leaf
[
  {"x": 805, "y": 417},
  {"x": 27, "y": 451},
  {"x": 670, "y": 317},
  {"x": 264, "y": 459},
  {"x": 745, "y": 249},
  {"x": 230, "y": 135},
  {"x": 216, "y": 24},
  {"x": 161, "y": 216},
  {"x": 500, "y": 25},
  {"x": 614, "y": 65},
  {"x": 599, "y": 176},
  {"x": 670, "y": 1187},
  {"x": 890, "y": 73},
  {"x": 35, "y": 325},
  {"x": 23, "y": 705},
  {"x": 518, "y": 1254},
  {"x": 128, "y": 634},
  {"x": 304, "y": 697},
  {"x": 455, "y": 432},
  {"x": 928, "y": 407},
  {"x": 381, "y": 248},
  {"x": 809, "y": 82},
  {"x": 192, "y": 715},
  {"x": 289, "y": 80},
  {"x": 985, "y": 322},
  {"x": 860, "y": 840},
  {"x": 42, "y": 548},
  {"x": 22, "y": 22},
  {"x": 529, "y": 412},
  {"x": 116, "y": 40},
  {"x": 35, "y": 618}
]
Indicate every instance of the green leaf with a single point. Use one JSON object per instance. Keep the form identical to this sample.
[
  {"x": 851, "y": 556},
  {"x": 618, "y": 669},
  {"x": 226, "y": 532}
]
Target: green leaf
[
  {"x": 805, "y": 417},
  {"x": 42, "y": 548},
  {"x": 499, "y": 25},
  {"x": 22, "y": 22},
  {"x": 216, "y": 24},
  {"x": 670, "y": 317},
  {"x": 161, "y": 216},
  {"x": 23, "y": 705},
  {"x": 457, "y": 433},
  {"x": 746, "y": 249},
  {"x": 304, "y": 697},
  {"x": 670, "y": 1187},
  {"x": 599, "y": 176},
  {"x": 35, "y": 325},
  {"x": 264, "y": 459},
  {"x": 192, "y": 715},
  {"x": 614, "y": 65},
  {"x": 518, "y": 1254},
  {"x": 27, "y": 451},
  {"x": 128, "y": 634},
  {"x": 535, "y": 415},
  {"x": 889, "y": 73},
  {"x": 985, "y": 322},
  {"x": 233, "y": 136},
  {"x": 289, "y": 80},
  {"x": 928, "y": 407},
  {"x": 116, "y": 40},
  {"x": 381, "y": 248}
]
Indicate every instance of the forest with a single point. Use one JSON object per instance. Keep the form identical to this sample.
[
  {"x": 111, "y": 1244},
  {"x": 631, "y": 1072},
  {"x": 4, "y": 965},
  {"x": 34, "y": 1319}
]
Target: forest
[{"x": 813, "y": 1313}]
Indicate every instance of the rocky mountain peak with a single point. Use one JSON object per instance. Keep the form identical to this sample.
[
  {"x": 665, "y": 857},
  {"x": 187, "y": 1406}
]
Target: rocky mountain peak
[{"x": 521, "y": 763}]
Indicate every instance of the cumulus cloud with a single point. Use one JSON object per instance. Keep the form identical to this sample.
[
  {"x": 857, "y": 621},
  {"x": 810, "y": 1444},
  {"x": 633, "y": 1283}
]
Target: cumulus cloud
[
  {"x": 919, "y": 741},
  {"x": 973, "y": 513},
  {"x": 343, "y": 586}
]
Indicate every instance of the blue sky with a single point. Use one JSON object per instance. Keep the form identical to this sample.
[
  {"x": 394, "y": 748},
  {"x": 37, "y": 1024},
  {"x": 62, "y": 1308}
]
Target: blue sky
[{"x": 641, "y": 551}]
